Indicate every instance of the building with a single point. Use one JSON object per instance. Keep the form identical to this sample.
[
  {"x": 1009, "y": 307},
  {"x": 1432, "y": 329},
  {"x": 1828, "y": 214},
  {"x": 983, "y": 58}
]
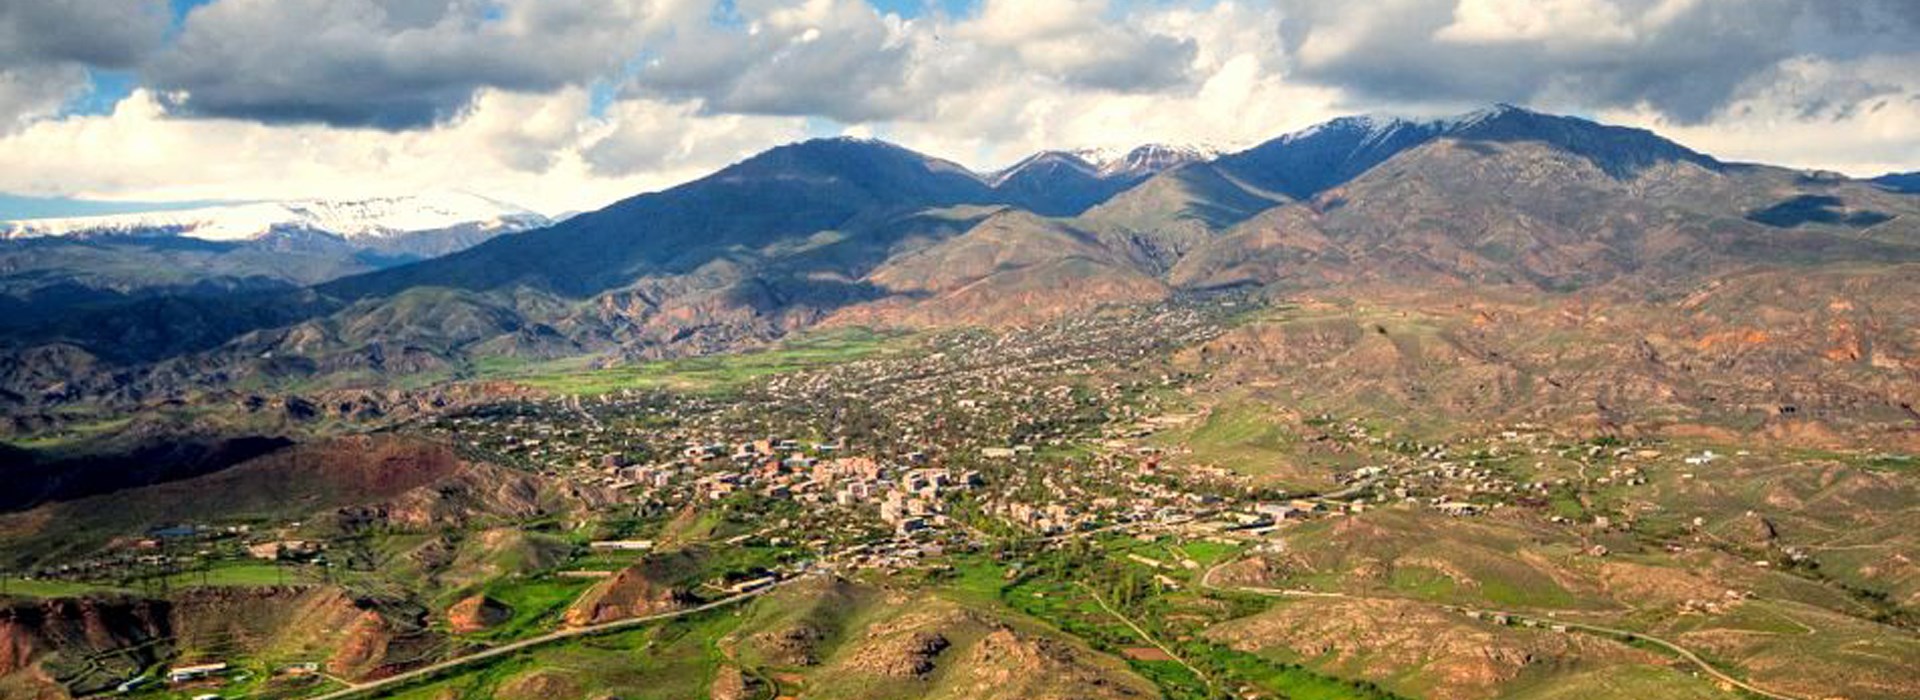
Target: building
[
  {"x": 181, "y": 674},
  {"x": 622, "y": 545}
]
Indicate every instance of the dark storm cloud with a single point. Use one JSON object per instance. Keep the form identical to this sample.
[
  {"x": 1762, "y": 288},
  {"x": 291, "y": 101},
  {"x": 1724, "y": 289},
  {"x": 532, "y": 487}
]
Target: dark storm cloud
[
  {"x": 1685, "y": 59},
  {"x": 97, "y": 33},
  {"x": 48, "y": 46},
  {"x": 390, "y": 64}
]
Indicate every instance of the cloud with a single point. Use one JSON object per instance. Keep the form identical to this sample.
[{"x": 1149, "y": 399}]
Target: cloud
[
  {"x": 1682, "y": 58},
  {"x": 1506, "y": 21},
  {"x": 1856, "y": 115},
  {"x": 845, "y": 60},
  {"x": 835, "y": 58},
  {"x": 388, "y": 65},
  {"x": 532, "y": 150},
  {"x": 571, "y": 104},
  {"x": 46, "y": 48}
]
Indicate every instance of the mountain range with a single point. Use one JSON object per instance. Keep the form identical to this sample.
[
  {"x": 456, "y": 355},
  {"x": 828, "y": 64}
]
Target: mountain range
[
  {"x": 859, "y": 232},
  {"x": 51, "y": 267},
  {"x": 365, "y": 221}
]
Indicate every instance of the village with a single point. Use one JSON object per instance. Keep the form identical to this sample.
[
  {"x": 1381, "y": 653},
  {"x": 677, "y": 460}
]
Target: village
[{"x": 888, "y": 464}]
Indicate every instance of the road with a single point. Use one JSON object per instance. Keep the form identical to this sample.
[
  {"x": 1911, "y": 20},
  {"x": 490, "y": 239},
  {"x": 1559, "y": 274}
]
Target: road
[
  {"x": 1206, "y": 581},
  {"x": 1143, "y": 635},
  {"x": 529, "y": 643},
  {"x": 1683, "y": 652}
]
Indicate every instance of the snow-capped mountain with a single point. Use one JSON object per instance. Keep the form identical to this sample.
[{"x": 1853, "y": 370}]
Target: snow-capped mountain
[
  {"x": 1147, "y": 159},
  {"x": 1108, "y": 163},
  {"x": 1065, "y": 183},
  {"x": 359, "y": 221}
]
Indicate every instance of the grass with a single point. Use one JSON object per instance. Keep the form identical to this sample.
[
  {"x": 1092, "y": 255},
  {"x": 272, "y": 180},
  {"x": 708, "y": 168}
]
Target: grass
[
  {"x": 1422, "y": 582},
  {"x": 1289, "y": 680},
  {"x": 1626, "y": 682},
  {"x": 236, "y": 573},
  {"x": 536, "y": 603},
  {"x": 1241, "y": 436},
  {"x": 672, "y": 659},
  {"x": 73, "y": 435},
  {"x": 51, "y": 589},
  {"x": 1054, "y": 596},
  {"x": 707, "y": 374}
]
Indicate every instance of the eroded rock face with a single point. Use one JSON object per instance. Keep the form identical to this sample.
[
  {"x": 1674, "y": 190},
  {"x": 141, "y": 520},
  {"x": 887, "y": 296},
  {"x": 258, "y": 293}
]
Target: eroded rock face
[
  {"x": 542, "y": 684},
  {"x": 904, "y": 656},
  {"x": 53, "y": 630},
  {"x": 1006, "y": 665},
  {"x": 87, "y": 645},
  {"x": 477, "y": 614},
  {"x": 631, "y": 593},
  {"x": 795, "y": 645},
  {"x": 730, "y": 684}
]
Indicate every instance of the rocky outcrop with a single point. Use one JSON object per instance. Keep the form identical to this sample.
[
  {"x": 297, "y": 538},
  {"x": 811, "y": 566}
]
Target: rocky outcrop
[
  {"x": 476, "y": 614},
  {"x": 88, "y": 645},
  {"x": 636, "y": 591}
]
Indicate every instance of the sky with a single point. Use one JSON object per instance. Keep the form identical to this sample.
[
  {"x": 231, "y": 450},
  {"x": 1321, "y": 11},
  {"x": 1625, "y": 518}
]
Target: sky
[{"x": 568, "y": 105}]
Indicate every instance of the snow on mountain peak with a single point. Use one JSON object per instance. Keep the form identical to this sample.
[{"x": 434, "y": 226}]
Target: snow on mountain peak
[{"x": 350, "y": 219}]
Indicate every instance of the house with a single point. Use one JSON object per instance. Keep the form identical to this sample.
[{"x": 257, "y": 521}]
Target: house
[
  {"x": 622, "y": 545},
  {"x": 1278, "y": 511},
  {"x": 752, "y": 584},
  {"x": 181, "y": 674}
]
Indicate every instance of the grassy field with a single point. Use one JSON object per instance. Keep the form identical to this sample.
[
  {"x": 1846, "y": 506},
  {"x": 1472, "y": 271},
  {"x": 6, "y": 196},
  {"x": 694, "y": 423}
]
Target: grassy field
[
  {"x": 238, "y": 573},
  {"x": 1242, "y": 436},
  {"x": 669, "y": 661},
  {"x": 50, "y": 589},
  {"x": 74, "y": 434},
  {"x": 1056, "y": 592},
  {"x": 713, "y": 373},
  {"x": 537, "y": 603}
]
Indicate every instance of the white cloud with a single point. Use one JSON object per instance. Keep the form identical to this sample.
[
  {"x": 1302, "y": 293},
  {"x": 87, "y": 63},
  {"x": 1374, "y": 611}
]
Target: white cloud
[
  {"x": 1852, "y": 116},
  {"x": 530, "y": 150},
  {"x": 1498, "y": 21},
  {"x": 1729, "y": 78}
]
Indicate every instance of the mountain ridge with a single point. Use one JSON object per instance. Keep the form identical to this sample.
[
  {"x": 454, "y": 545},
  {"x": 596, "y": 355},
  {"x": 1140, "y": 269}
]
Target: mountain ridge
[{"x": 862, "y": 232}]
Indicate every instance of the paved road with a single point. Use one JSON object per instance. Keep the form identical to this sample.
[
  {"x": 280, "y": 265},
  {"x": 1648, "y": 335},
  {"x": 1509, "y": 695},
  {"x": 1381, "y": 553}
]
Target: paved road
[{"x": 524, "y": 644}]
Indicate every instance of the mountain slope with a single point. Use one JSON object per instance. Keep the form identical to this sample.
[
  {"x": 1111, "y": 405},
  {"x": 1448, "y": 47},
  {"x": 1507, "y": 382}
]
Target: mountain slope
[
  {"x": 1907, "y": 183},
  {"x": 1063, "y": 183},
  {"x": 786, "y": 193},
  {"x": 1012, "y": 268},
  {"x": 859, "y": 232},
  {"x": 1307, "y": 162},
  {"x": 1567, "y": 207}
]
